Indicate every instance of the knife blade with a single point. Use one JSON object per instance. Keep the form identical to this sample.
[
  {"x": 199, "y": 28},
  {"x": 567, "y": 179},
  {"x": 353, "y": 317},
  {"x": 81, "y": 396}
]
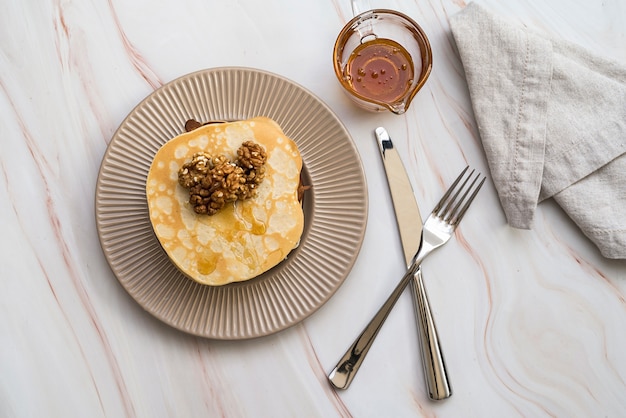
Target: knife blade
[
  {"x": 409, "y": 223},
  {"x": 405, "y": 206}
]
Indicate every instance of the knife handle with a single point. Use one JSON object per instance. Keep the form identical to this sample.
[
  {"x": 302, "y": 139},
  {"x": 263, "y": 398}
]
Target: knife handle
[{"x": 434, "y": 364}]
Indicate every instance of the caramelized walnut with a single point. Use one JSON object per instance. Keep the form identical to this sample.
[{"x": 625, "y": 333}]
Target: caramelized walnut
[
  {"x": 193, "y": 172},
  {"x": 251, "y": 155},
  {"x": 213, "y": 182},
  {"x": 230, "y": 177}
]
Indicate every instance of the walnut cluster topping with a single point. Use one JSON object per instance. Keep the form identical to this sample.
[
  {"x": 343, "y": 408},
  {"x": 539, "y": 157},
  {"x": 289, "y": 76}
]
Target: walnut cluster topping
[{"x": 215, "y": 181}]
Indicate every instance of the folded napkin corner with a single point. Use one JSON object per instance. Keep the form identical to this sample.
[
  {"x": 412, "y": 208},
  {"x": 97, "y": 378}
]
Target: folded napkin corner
[{"x": 552, "y": 120}]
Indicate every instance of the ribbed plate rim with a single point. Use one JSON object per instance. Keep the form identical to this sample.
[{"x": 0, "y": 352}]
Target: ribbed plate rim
[{"x": 336, "y": 208}]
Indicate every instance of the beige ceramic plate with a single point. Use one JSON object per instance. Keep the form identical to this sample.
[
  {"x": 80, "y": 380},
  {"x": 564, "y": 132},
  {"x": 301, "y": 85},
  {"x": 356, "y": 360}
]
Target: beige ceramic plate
[{"x": 335, "y": 207}]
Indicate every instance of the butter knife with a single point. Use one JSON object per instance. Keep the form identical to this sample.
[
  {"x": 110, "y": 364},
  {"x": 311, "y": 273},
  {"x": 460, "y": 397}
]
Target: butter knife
[{"x": 410, "y": 228}]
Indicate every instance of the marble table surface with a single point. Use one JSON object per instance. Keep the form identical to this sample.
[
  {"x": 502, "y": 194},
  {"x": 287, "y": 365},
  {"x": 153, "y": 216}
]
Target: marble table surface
[{"x": 531, "y": 322}]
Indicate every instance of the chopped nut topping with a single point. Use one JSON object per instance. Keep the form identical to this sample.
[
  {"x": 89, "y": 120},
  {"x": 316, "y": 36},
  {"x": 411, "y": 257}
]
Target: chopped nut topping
[{"x": 215, "y": 181}]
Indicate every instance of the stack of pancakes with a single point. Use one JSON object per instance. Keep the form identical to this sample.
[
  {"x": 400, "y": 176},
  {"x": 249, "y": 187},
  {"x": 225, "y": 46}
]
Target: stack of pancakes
[{"x": 246, "y": 237}]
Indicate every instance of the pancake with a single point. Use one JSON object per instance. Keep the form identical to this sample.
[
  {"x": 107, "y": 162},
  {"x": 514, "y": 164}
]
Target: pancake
[{"x": 246, "y": 237}]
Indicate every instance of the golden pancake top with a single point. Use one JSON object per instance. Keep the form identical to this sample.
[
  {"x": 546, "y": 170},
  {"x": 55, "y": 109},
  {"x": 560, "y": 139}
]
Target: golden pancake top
[{"x": 245, "y": 238}]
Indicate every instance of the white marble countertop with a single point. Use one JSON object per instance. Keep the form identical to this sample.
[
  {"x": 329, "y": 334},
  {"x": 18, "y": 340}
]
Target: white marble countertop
[{"x": 532, "y": 322}]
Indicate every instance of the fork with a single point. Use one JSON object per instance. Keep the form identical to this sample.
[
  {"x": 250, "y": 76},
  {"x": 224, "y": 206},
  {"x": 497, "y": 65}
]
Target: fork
[{"x": 438, "y": 229}]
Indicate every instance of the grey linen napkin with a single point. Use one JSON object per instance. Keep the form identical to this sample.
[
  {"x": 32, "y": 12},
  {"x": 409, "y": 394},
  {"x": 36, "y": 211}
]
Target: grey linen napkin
[{"x": 552, "y": 120}]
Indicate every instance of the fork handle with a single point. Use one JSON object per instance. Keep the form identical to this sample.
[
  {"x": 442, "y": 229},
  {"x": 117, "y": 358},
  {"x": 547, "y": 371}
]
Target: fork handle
[
  {"x": 433, "y": 362},
  {"x": 347, "y": 367}
]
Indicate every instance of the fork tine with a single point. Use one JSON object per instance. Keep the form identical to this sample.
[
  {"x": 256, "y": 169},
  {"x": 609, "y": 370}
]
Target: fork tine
[
  {"x": 444, "y": 198},
  {"x": 452, "y": 209},
  {"x": 449, "y": 211},
  {"x": 457, "y": 218}
]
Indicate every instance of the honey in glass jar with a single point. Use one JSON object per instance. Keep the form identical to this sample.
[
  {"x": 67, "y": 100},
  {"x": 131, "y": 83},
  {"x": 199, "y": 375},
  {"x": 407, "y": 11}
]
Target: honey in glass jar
[
  {"x": 382, "y": 58},
  {"x": 380, "y": 69}
]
